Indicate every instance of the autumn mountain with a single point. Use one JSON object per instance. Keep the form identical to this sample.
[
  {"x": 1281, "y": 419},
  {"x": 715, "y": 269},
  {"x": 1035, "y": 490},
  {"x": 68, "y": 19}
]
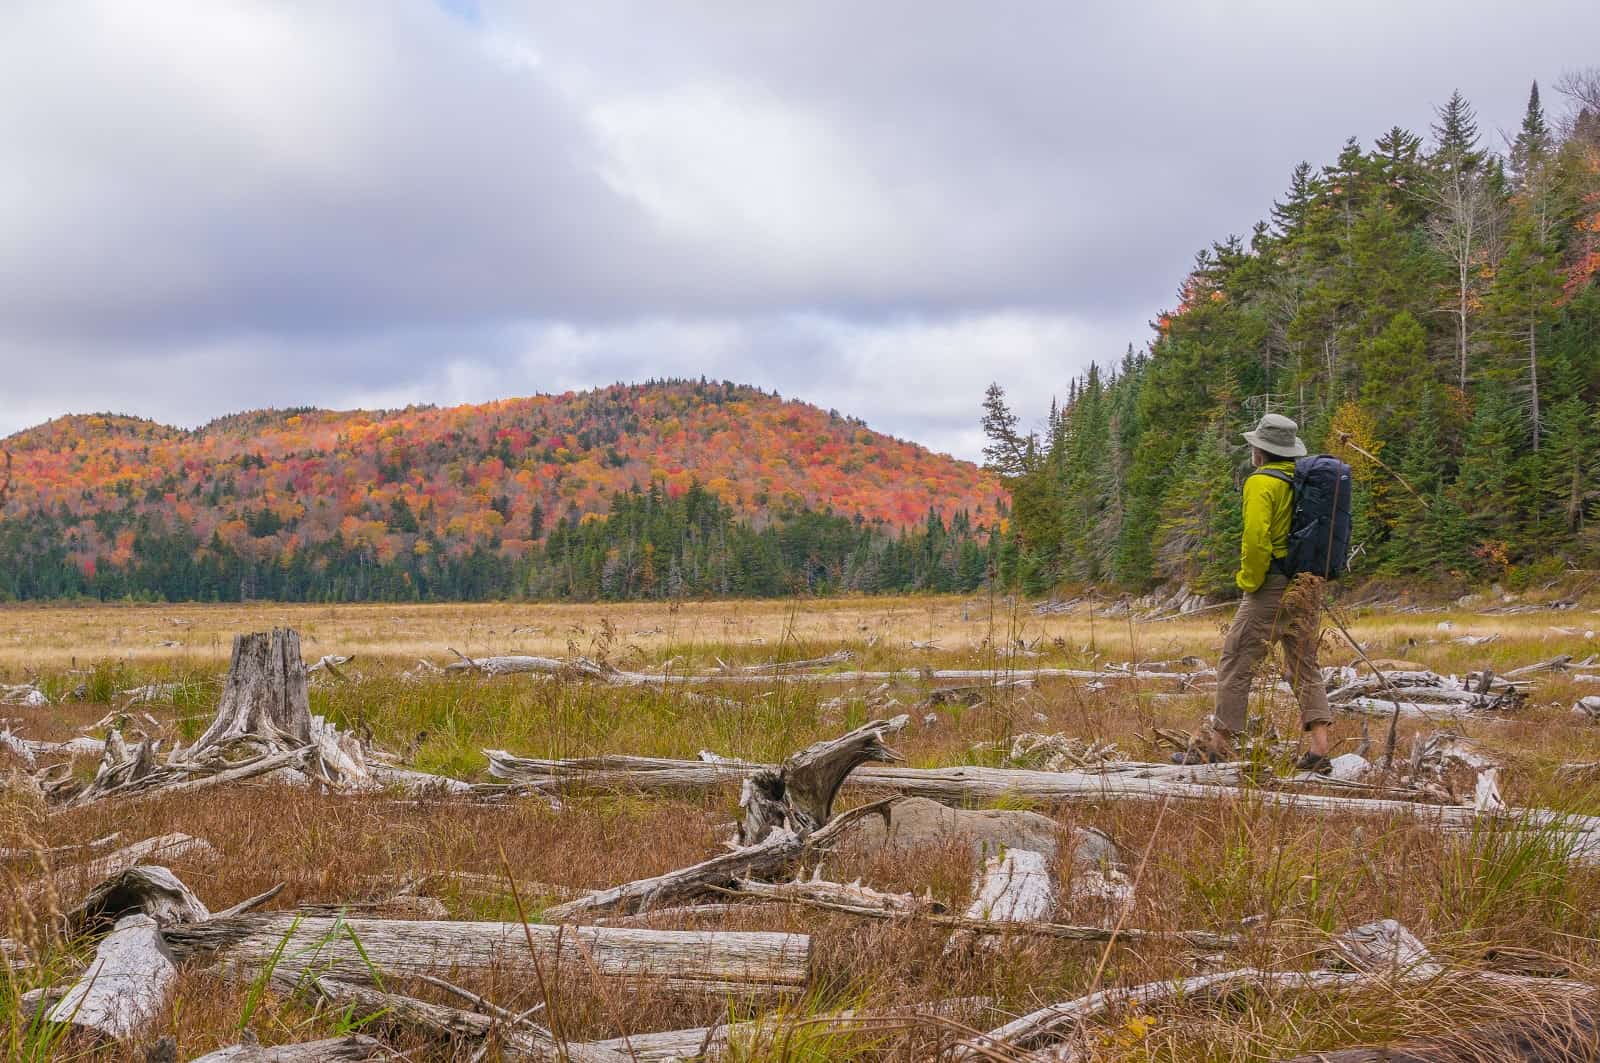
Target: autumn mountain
[{"x": 269, "y": 483}]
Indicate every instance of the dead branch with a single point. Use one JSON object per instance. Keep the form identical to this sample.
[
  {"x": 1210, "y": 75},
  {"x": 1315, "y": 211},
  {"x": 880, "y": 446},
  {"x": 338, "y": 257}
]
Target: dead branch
[
  {"x": 765, "y": 858},
  {"x": 1381, "y": 953},
  {"x": 333, "y": 1050}
]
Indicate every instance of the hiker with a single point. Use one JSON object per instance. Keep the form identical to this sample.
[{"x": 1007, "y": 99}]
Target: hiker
[{"x": 1263, "y": 576}]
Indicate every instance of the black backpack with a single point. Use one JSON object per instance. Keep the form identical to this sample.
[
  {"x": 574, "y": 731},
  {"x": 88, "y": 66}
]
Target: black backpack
[{"x": 1319, "y": 531}]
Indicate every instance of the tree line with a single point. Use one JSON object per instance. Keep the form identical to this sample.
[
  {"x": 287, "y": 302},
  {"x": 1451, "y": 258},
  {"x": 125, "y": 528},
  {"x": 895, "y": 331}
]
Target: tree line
[
  {"x": 648, "y": 545},
  {"x": 1426, "y": 310}
]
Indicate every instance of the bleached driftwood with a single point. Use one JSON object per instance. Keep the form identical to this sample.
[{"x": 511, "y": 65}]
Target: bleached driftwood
[
  {"x": 969, "y": 784},
  {"x": 580, "y": 667},
  {"x": 23, "y": 695},
  {"x": 686, "y": 960},
  {"x": 1380, "y": 953},
  {"x": 745, "y": 1039},
  {"x": 126, "y": 986},
  {"x": 928, "y": 913},
  {"x": 799, "y": 795},
  {"x": 1015, "y": 886},
  {"x": 836, "y": 895},
  {"x": 333, "y": 1050},
  {"x": 516, "y": 1040},
  {"x": 147, "y": 889},
  {"x": 63, "y": 850},
  {"x": 776, "y": 667},
  {"x": 331, "y": 663},
  {"x": 766, "y": 857}
]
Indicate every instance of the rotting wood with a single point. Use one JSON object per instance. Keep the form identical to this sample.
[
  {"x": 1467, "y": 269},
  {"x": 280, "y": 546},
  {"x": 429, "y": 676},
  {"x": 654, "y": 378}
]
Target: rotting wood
[
  {"x": 332, "y": 1050},
  {"x": 799, "y": 795},
  {"x": 685, "y": 960},
  {"x": 147, "y": 889},
  {"x": 126, "y": 986}
]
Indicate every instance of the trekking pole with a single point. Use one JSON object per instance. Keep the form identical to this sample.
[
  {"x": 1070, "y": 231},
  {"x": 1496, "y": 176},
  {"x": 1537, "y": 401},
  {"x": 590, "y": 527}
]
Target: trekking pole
[{"x": 1344, "y": 438}]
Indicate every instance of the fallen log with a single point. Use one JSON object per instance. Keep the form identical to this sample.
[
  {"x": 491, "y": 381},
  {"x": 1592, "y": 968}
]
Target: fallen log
[
  {"x": 582, "y": 668},
  {"x": 1011, "y": 887},
  {"x": 146, "y": 889},
  {"x": 744, "y": 1040},
  {"x": 969, "y": 784},
  {"x": 1382, "y": 953},
  {"x": 524, "y": 1040},
  {"x": 1015, "y": 886},
  {"x": 686, "y": 960},
  {"x": 766, "y": 857},
  {"x": 333, "y": 1050},
  {"x": 126, "y": 986},
  {"x": 1202, "y": 939}
]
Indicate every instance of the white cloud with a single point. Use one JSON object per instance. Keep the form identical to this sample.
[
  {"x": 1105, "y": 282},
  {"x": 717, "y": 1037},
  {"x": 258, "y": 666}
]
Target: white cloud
[{"x": 879, "y": 208}]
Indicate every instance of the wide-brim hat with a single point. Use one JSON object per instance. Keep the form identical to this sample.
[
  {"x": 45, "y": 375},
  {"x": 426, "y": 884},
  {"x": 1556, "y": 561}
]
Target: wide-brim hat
[{"x": 1276, "y": 434}]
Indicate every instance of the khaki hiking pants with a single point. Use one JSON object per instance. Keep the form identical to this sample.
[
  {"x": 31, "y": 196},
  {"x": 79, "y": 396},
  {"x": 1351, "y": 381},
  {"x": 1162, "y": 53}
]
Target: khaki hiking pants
[{"x": 1256, "y": 626}]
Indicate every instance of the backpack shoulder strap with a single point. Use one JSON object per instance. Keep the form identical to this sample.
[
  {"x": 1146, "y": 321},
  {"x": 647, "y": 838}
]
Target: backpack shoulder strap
[{"x": 1276, "y": 474}]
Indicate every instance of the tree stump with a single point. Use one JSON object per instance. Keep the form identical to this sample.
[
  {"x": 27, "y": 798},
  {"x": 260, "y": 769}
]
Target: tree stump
[{"x": 265, "y": 696}]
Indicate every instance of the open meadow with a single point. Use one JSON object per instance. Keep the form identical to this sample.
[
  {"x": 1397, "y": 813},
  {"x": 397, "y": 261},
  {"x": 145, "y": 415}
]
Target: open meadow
[{"x": 1097, "y": 874}]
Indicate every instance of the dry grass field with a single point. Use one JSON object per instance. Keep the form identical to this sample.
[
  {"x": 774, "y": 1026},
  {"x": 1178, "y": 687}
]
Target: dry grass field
[{"x": 1507, "y": 895}]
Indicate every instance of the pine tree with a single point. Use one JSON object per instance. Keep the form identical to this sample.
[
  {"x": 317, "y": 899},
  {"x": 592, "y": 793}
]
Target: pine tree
[{"x": 1532, "y": 146}]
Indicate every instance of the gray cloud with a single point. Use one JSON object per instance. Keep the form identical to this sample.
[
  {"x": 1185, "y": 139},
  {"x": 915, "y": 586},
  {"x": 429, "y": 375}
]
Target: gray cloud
[{"x": 877, "y": 207}]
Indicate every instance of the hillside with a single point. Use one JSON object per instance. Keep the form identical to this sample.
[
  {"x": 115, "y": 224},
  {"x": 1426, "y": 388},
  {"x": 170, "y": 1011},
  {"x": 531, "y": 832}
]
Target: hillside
[
  {"x": 1425, "y": 307},
  {"x": 267, "y": 487}
]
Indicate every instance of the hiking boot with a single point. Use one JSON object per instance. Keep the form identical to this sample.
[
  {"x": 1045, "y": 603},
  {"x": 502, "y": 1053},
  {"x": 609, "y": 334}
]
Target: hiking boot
[
  {"x": 1315, "y": 763},
  {"x": 1209, "y": 745}
]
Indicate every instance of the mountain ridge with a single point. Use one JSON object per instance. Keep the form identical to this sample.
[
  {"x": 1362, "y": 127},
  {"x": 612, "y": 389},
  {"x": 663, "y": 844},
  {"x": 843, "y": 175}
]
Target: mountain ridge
[{"x": 268, "y": 483}]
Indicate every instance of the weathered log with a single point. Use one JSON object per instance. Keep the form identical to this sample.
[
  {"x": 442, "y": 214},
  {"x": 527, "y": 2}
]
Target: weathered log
[
  {"x": 333, "y": 1050},
  {"x": 799, "y": 795},
  {"x": 523, "y": 1040},
  {"x": 126, "y": 986},
  {"x": 1013, "y": 886},
  {"x": 582, "y": 668},
  {"x": 146, "y": 889},
  {"x": 764, "y": 858},
  {"x": 694, "y": 961},
  {"x": 1382, "y": 953},
  {"x": 776, "y": 667},
  {"x": 188, "y": 778},
  {"x": 1201, "y": 939},
  {"x": 968, "y": 784},
  {"x": 738, "y": 1039},
  {"x": 836, "y": 895}
]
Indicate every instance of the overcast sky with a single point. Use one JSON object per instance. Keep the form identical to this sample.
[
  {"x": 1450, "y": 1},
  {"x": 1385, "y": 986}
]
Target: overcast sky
[{"x": 212, "y": 205}]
